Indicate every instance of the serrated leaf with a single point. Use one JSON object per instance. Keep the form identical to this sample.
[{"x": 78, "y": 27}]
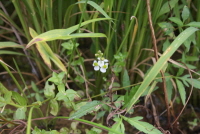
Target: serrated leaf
[
  {"x": 87, "y": 108},
  {"x": 193, "y": 82},
  {"x": 126, "y": 80},
  {"x": 185, "y": 13},
  {"x": 19, "y": 99},
  {"x": 20, "y": 113},
  {"x": 142, "y": 126},
  {"x": 167, "y": 7},
  {"x": 54, "y": 107},
  {"x": 176, "y": 20},
  {"x": 181, "y": 90},
  {"x": 194, "y": 24}
]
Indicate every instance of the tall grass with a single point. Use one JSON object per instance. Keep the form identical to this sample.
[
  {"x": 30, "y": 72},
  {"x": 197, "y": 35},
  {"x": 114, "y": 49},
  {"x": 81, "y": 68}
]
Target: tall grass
[{"x": 49, "y": 33}]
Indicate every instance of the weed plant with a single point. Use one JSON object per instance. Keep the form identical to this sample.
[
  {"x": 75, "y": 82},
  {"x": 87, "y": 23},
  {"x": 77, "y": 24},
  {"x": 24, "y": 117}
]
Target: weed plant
[{"x": 106, "y": 59}]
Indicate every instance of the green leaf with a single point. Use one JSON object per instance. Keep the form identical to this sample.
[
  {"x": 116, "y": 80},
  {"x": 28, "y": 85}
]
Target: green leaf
[
  {"x": 69, "y": 45},
  {"x": 57, "y": 78},
  {"x": 160, "y": 64},
  {"x": 87, "y": 108},
  {"x": 194, "y": 24},
  {"x": 3, "y": 89},
  {"x": 185, "y": 13},
  {"x": 49, "y": 90},
  {"x": 126, "y": 80},
  {"x": 118, "y": 126},
  {"x": 142, "y": 126},
  {"x": 65, "y": 33},
  {"x": 20, "y": 113},
  {"x": 54, "y": 107},
  {"x": 97, "y": 7},
  {"x": 2, "y": 52},
  {"x": 193, "y": 82},
  {"x": 46, "y": 53},
  {"x": 34, "y": 87},
  {"x": 166, "y": 44},
  {"x": 19, "y": 99},
  {"x": 167, "y": 28},
  {"x": 2, "y": 100},
  {"x": 69, "y": 94},
  {"x": 176, "y": 20},
  {"x": 192, "y": 58},
  {"x": 79, "y": 79},
  {"x": 167, "y": 7},
  {"x": 181, "y": 90},
  {"x": 10, "y": 44}
]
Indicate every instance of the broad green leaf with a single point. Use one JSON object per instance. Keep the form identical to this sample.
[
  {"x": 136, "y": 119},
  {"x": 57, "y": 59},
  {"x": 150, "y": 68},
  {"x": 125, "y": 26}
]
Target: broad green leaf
[
  {"x": 19, "y": 99},
  {"x": 10, "y": 44},
  {"x": 167, "y": 7},
  {"x": 194, "y": 24},
  {"x": 87, "y": 108},
  {"x": 142, "y": 126},
  {"x": 185, "y": 13},
  {"x": 160, "y": 64},
  {"x": 176, "y": 20},
  {"x": 181, "y": 90},
  {"x": 65, "y": 33},
  {"x": 54, "y": 107},
  {"x": 126, "y": 81},
  {"x": 20, "y": 113}
]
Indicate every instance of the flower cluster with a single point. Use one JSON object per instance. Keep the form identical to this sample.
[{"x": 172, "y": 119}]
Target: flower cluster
[{"x": 101, "y": 63}]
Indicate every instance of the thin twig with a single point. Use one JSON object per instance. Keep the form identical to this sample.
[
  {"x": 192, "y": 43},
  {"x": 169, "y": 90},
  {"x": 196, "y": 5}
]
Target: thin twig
[
  {"x": 188, "y": 96},
  {"x": 156, "y": 56}
]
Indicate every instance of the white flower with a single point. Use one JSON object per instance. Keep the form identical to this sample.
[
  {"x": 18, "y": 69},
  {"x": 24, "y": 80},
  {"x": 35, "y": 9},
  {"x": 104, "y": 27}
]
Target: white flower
[
  {"x": 96, "y": 65},
  {"x": 102, "y": 61},
  {"x": 104, "y": 67}
]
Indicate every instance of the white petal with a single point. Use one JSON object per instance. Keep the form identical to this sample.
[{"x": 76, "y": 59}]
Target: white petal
[
  {"x": 105, "y": 60},
  {"x": 103, "y": 70},
  {"x": 101, "y": 63},
  {"x": 96, "y": 68}
]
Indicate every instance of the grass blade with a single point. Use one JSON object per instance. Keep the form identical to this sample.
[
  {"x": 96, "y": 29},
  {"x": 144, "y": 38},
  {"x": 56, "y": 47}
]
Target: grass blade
[{"x": 160, "y": 64}]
